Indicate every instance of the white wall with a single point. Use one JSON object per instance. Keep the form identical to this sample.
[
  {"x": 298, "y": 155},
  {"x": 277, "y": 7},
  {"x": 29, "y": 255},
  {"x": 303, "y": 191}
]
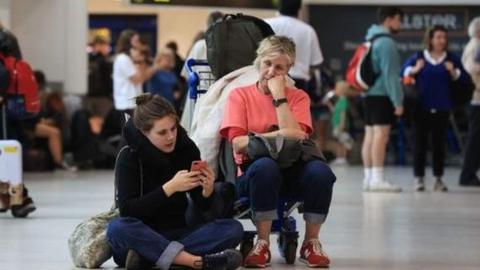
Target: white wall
[
  {"x": 52, "y": 36},
  {"x": 5, "y": 13}
]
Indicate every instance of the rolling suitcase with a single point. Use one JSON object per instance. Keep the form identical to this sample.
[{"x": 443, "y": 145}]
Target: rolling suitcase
[{"x": 13, "y": 194}]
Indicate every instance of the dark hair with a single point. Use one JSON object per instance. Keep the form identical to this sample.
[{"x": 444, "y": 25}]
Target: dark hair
[
  {"x": 289, "y": 7},
  {"x": 124, "y": 42},
  {"x": 388, "y": 12},
  {"x": 430, "y": 32},
  {"x": 9, "y": 44},
  {"x": 213, "y": 17},
  {"x": 172, "y": 45},
  {"x": 149, "y": 109},
  {"x": 41, "y": 79}
]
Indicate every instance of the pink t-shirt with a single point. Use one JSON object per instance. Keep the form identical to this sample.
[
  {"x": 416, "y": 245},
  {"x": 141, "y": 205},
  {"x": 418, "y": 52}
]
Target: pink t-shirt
[{"x": 249, "y": 110}]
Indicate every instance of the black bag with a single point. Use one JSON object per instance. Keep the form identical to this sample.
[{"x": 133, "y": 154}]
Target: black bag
[
  {"x": 222, "y": 205},
  {"x": 461, "y": 91},
  {"x": 232, "y": 42},
  {"x": 4, "y": 79},
  {"x": 284, "y": 150}
]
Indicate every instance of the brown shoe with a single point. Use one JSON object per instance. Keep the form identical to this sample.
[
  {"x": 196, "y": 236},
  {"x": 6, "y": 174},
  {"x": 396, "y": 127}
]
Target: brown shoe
[
  {"x": 4, "y": 197},
  {"x": 20, "y": 203},
  {"x": 135, "y": 261}
]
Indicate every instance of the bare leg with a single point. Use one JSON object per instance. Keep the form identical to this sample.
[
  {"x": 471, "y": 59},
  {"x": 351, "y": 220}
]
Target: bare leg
[
  {"x": 367, "y": 147},
  {"x": 53, "y": 135},
  {"x": 340, "y": 151},
  {"x": 379, "y": 145},
  {"x": 187, "y": 259},
  {"x": 263, "y": 229},
  {"x": 312, "y": 230}
]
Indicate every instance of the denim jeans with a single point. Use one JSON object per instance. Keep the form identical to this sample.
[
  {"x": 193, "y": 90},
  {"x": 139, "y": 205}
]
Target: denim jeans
[
  {"x": 160, "y": 249},
  {"x": 264, "y": 182}
]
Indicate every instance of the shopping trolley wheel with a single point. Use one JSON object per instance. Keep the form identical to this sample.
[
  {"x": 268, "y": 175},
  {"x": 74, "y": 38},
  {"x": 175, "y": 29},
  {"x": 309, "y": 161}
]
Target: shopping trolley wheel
[{"x": 287, "y": 244}]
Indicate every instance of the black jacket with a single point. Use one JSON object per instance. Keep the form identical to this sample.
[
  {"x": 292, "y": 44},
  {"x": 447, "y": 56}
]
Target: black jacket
[{"x": 154, "y": 208}]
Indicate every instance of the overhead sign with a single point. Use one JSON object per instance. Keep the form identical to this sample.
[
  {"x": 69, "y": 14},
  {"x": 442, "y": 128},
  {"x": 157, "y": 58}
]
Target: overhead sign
[{"x": 264, "y": 4}]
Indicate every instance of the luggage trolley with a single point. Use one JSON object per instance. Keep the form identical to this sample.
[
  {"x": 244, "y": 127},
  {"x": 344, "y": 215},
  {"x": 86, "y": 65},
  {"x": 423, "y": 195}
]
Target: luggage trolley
[{"x": 200, "y": 79}]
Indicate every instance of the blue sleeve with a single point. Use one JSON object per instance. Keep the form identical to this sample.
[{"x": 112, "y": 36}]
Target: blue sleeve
[
  {"x": 410, "y": 62},
  {"x": 390, "y": 67}
]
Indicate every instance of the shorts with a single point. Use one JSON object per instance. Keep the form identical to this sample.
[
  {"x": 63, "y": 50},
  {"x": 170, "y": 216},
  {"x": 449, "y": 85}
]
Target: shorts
[{"x": 378, "y": 110}]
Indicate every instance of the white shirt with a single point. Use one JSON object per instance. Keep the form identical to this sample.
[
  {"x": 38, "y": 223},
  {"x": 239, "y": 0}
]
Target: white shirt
[
  {"x": 307, "y": 46},
  {"x": 124, "y": 90}
]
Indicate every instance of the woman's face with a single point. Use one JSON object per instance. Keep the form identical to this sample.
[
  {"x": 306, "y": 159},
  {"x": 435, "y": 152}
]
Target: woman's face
[
  {"x": 439, "y": 41},
  {"x": 163, "y": 134},
  {"x": 271, "y": 66},
  {"x": 135, "y": 41}
]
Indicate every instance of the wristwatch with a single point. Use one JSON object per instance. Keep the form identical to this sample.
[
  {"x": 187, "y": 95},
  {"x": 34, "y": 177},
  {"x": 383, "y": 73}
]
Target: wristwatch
[{"x": 278, "y": 102}]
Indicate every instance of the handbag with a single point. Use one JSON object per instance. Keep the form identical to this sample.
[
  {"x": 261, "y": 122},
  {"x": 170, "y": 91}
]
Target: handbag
[
  {"x": 88, "y": 244},
  {"x": 285, "y": 151}
]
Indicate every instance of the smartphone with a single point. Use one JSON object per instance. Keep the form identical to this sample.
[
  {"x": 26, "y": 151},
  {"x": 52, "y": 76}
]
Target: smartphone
[{"x": 198, "y": 165}]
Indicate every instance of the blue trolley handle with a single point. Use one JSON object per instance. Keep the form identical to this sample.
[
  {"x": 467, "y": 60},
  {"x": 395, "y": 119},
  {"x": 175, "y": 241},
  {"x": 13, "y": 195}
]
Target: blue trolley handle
[{"x": 193, "y": 78}]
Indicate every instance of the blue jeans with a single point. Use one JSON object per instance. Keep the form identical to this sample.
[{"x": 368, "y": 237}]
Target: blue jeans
[
  {"x": 264, "y": 182},
  {"x": 127, "y": 233}
]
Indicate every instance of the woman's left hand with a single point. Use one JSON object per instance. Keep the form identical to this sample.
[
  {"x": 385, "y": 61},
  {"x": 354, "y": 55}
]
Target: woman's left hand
[
  {"x": 208, "y": 181},
  {"x": 277, "y": 86},
  {"x": 450, "y": 67}
]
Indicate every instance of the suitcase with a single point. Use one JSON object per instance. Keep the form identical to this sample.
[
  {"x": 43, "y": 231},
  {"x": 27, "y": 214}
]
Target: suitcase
[
  {"x": 11, "y": 162},
  {"x": 10, "y": 156}
]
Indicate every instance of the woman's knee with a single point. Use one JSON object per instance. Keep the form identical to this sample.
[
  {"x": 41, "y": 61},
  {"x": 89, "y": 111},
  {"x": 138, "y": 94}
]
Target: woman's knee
[
  {"x": 118, "y": 226},
  {"x": 264, "y": 164},
  {"x": 319, "y": 174},
  {"x": 233, "y": 229},
  {"x": 264, "y": 172}
]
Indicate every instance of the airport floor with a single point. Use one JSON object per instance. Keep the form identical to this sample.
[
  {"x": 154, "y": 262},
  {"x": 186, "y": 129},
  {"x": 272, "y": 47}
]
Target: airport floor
[{"x": 407, "y": 230}]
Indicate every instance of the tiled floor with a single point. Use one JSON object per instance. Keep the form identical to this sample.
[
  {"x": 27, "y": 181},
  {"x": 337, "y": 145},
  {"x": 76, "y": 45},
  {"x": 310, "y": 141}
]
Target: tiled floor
[{"x": 364, "y": 230}]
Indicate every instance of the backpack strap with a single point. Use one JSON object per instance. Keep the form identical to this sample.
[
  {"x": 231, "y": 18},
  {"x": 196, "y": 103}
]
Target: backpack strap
[
  {"x": 115, "y": 198},
  {"x": 377, "y": 36}
]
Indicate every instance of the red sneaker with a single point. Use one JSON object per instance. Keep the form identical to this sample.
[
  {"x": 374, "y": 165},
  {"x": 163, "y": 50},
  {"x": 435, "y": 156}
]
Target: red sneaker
[
  {"x": 259, "y": 256},
  {"x": 313, "y": 255}
]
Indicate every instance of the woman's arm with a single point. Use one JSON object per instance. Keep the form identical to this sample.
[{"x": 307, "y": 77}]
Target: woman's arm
[
  {"x": 284, "y": 114},
  {"x": 131, "y": 201},
  {"x": 143, "y": 74}
]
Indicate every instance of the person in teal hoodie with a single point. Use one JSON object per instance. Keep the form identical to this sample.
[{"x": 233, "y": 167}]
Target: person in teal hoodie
[{"x": 384, "y": 100}]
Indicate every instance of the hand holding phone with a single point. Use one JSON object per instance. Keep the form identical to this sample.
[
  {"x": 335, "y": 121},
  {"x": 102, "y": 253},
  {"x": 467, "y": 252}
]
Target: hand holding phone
[{"x": 198, "y": 165}]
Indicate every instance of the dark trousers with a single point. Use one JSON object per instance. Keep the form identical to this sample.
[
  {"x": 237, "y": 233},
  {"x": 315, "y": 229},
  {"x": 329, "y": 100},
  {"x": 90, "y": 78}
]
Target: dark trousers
[
  {"x": 158, "y": 249},
  {"x": 434, "y": 124},
  {"x": 264, "y": 182},
  {"x": 471, "y": 161}
]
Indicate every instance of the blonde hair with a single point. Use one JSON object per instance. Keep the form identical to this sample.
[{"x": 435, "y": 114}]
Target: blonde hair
[
  {"x": 474, "y": 27},
  {"x": 275, "y": 45}
]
